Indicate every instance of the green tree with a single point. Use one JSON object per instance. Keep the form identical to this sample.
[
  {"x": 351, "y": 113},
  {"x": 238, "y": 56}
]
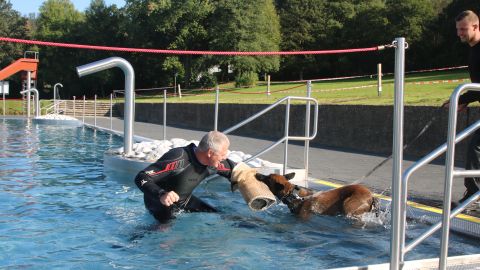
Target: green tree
[
  {"x": 313, "y": 25},
  {"x": 104, "y": 26},
  {"x": 59, "y": 21},
  {"x": 14, "y": 26},
  {"x": 301, "y": 24},
  {"x": 440, "y": 44},
  {"x": 167, "y": 24},
  {"x": 245, "y": 26}
]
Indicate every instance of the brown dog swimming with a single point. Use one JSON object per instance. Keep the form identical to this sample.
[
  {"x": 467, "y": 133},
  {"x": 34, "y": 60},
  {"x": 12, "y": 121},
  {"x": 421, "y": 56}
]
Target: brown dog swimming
[{"x": 350, "y": 200}]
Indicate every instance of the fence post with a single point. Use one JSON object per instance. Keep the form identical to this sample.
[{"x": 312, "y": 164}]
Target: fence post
[
  {"x": 179, "y": 91},
  {"x": 83, "y": 117},
  {"x": 29, "y": 82},
  {"x": 287, "y": 127},
  {"x": 307, "y": 132},
  {"x": 95, "y": 110},
  {"x": 74, "y": 106},
  {"x": 111, "y": 110},
  {"x": 379, "y": 79},
  {"x": 396, "y": 244},
  {"x": 268, "y": 85},
  {"x": 165, "y": 115},
  {"x": 3, "y": 94},
  {"x": 215, "y": 124}
]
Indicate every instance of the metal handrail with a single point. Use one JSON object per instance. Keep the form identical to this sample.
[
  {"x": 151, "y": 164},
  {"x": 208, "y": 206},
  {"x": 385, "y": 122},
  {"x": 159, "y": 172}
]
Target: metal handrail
[
  {"x": 287, "y": 137},
  {"x": 35, "y": 54},
  {"x": 129, "y": 109},
  {"x": 52, "y": 106},
  {"x": 37, "y": 99},
  {"x": 450, "y": 173}
]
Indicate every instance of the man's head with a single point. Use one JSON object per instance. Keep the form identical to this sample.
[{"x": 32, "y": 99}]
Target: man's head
[
  {"x": 213, "y": 148},
  {"x": 467, "y": 27}
]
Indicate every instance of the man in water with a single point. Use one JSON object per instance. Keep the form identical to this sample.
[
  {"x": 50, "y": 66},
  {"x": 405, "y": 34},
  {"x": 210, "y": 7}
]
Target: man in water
[{"x": 168, "y": 183}]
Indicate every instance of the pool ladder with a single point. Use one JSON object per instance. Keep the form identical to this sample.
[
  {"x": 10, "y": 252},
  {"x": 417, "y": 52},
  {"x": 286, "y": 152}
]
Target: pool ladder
[
  {"x": 287, "y": 137},
  {"x": 450, "y": 173}
]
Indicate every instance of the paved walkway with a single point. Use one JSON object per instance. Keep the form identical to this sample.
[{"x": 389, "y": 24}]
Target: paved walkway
[{"x": 337, "y": 166}]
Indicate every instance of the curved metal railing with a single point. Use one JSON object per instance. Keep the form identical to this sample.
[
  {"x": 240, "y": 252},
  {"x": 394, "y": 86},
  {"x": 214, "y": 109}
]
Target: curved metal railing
[{"x": 286, "y": 136}]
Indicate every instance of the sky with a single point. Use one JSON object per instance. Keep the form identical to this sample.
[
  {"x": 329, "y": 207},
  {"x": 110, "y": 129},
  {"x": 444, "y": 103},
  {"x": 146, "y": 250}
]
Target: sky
[{"x": 26, "y": 7}]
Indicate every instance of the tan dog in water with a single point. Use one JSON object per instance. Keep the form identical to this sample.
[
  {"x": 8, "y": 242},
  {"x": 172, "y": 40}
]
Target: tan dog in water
[{"x": 351, "y": 200}]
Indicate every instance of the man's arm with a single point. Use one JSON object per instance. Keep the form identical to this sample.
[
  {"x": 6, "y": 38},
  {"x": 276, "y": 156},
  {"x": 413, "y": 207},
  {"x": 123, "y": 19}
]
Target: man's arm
[
  {"x": 225, "y": 168},
  {"x": 151, "y": 179}
]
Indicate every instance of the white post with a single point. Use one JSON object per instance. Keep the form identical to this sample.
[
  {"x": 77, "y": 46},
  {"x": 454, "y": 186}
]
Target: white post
[
  {"x": 268, "y": 85},
  {"x": 215, "y": 121},
  {"x": 29, "y": 82},
  {"x": 164, "y": 115},
  {"x": 111, "y": 109},
  {"x": 83, "y": 117},
  {"x": 396, "y": 247},
  {"x": 179, "y": 91},
  {"x": 379, "y": 79},
  {"x": 74, "y": 106},
  {"x": 3, "y": 94},
  {"x": 307, "y": 133},
  {"x": 55, "y": 92},
  {"x": 95, "y": 110}
]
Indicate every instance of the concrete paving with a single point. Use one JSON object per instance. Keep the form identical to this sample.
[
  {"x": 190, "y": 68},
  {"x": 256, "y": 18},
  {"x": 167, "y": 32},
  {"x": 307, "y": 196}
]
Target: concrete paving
[{"x": 335, "y": 165}]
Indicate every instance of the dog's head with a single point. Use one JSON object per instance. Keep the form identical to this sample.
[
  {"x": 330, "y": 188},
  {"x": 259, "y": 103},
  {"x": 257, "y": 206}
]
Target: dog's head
[{"x": 278, "y": 184}]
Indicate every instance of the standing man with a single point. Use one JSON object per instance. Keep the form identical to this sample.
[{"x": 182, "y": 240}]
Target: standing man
[
  {"x": 168, "y": 183},
  {"x": 467, "y": 25}
]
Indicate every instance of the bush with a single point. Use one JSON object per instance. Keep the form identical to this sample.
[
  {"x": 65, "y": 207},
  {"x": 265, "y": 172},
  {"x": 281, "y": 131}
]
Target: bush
[
  {"x": 246, "y": 79},
  {"x": 207, "y": 80}
]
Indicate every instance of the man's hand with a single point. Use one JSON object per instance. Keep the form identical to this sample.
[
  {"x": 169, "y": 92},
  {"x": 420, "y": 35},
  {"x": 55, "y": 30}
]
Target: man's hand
[
  {"x": 461, "y": 107},
  {"x": 169, "y": 198}
]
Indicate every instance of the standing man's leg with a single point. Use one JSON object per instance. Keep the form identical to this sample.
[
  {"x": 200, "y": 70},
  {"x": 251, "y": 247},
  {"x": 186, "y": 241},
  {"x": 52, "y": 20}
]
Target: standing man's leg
[{"x": 472, "y": 163}]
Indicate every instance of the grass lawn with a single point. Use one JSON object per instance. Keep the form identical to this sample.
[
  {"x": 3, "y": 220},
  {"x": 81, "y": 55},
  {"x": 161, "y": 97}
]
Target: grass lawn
[{"x": 421, "y": 89}]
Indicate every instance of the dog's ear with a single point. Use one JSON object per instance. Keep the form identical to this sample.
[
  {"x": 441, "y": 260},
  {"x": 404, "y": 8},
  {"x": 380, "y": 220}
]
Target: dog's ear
[
  {"x": 261, "y": 177},
  {"x": 289, "y": 176}
]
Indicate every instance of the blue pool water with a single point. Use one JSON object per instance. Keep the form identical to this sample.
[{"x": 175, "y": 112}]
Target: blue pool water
[{"x": 59, "y": 211}]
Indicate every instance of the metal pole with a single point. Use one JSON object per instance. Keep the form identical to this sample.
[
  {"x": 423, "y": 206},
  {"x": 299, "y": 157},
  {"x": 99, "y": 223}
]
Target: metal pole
[
  {"x": 29, "y": 82},
  {"x": 307, "y": 132},
  {"x": 287, "y": 121},
  {"x": 395, "y": 245},
  {"x": 3, "y": 94},
  {"x": 111, "y": 109},
  {"x": 55, "y": 92},
  {"x": 36, "y": 101},
  {"x": 215, "y": 124},
  {"x": 449, "y": 167},
  {"x": 164, "y": 115},
  {"x": 175, "y": 85},
  {"x": 129, "y": 92},
  {"x": 83, "y": 117},
  {"x": 268, "y": 85},
  {"x": 379, "y": 79},
  {"x": 95, "y": 110}
]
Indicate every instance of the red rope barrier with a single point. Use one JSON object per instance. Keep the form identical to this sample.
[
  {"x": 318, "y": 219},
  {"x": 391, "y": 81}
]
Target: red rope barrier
[{"x": 158, "y": 51}]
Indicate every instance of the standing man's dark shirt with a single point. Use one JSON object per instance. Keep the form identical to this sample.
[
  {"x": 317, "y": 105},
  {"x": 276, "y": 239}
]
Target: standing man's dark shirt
[{"x": 474, "y": 70}]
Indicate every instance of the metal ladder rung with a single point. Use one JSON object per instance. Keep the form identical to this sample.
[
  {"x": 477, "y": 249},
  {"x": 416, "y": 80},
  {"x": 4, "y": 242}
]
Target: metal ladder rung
[{"x": 466, "y": 173}]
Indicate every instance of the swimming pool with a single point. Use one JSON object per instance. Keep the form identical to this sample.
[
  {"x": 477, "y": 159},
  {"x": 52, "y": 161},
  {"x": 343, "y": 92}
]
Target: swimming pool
[{"x": 59, "y": 211}]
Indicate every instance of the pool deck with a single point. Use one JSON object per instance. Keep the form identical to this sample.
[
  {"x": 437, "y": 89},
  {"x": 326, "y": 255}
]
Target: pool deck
[{"x": 333, "y": 165}]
